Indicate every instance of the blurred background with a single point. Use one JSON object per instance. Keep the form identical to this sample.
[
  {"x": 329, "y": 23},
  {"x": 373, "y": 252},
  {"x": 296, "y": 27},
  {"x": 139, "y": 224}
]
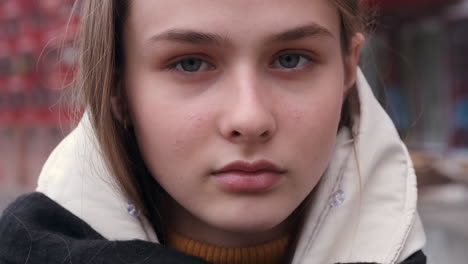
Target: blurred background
[{"x": 416, "y": 60}]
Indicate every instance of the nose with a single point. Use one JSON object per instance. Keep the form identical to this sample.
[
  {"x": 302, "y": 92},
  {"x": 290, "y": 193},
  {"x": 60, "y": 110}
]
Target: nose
[{"x": 248, "y": 115}]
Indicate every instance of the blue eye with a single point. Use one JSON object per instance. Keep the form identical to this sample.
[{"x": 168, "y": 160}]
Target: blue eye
[
  {"x": 290, "y": 61},
  {"x": 191, "y": 64}
]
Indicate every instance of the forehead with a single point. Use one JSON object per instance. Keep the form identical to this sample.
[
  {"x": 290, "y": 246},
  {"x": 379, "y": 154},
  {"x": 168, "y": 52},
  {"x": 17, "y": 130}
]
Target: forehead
[{"x": 238, "y": 19}]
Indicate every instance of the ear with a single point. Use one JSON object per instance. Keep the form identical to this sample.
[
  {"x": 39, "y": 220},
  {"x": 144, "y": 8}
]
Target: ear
[
  {"x": 352, "y": 60},
  {"x": 117, "y": 107}
]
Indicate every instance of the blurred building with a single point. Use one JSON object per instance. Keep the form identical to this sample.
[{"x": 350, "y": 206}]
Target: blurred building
[
  {"x": 416, "y": 60},
  {"x": 36, "y": 63}
]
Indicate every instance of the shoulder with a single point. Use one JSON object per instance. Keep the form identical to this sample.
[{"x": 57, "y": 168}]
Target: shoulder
[{"x": 35, "y": 229}]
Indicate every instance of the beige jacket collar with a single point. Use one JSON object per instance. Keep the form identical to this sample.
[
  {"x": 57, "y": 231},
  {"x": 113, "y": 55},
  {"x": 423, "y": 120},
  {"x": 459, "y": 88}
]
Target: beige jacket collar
[{"x": 364, "y": 209}]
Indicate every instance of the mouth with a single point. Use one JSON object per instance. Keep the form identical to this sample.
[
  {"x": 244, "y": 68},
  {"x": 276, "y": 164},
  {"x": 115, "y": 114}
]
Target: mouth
[{"x": 243, "y": 176}]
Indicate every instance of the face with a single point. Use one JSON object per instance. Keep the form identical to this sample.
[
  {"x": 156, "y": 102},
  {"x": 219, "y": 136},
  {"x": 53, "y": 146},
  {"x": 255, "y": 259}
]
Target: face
[{"x": 235, "y": 106}]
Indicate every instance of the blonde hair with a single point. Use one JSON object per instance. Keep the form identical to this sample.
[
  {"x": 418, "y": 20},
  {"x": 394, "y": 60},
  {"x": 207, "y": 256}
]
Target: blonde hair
[{"x": 101, "y": 61}]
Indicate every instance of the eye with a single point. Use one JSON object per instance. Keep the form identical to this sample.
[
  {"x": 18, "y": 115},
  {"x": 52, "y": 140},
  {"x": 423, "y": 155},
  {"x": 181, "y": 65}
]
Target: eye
[
  {"x": 191, "y": 64},
  {"x": 291, "y": 61}
]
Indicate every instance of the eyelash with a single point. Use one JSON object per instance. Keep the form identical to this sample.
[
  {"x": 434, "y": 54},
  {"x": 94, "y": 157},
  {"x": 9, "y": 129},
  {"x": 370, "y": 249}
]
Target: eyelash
[
  {"x": 177, "y": 66},
  {"x": 302, "y": 57}
]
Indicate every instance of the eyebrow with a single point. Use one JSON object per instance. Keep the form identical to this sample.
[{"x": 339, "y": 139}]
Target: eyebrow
[
  {"x": 190, "y": 37},
  {"x": 300, "y": 32},
  {"x": 204, "y": 38}
]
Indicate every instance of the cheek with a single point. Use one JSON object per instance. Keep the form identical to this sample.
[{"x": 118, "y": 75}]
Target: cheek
[
  {"x": 314, "y": 129},
  {"x": 313, "y": 116},
  {"x": 190, "y": 131},
  {"x": 169, "y": 144},
  {"x": 168, "y": 134},
  {"x": 164, "y": 122},
  {"x": 174, "y": 133},
  {"x": 310, "y": 127}
]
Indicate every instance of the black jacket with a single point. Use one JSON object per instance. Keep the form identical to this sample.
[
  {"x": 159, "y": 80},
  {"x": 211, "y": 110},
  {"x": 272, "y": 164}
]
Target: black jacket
[{"x": 35, "y": 229}]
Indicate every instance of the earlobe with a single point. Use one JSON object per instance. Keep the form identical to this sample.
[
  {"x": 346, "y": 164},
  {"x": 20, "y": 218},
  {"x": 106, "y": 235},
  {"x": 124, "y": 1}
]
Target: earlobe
[
  {"x": 117, "y": 108},
  {"x": 120, "y": 111},
  {"x": 352, "y": 60},
  {"x": 119, "y": 105}
]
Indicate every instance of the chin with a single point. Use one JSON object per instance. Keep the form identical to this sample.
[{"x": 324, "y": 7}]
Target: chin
[
  {"x": 231, "y": 220},
  {"x": 250, "y": 222}
]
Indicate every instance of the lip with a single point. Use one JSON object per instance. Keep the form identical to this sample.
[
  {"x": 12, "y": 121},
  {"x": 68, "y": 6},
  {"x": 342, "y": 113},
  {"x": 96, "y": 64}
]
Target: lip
[
  {"x": 250, "y": 167},
  {"x": 244, "y": 176}
]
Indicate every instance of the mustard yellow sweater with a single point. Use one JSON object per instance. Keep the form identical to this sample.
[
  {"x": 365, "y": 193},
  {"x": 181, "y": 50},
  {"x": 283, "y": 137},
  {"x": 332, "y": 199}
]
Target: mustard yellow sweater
[{"x": 269, "y": 253}]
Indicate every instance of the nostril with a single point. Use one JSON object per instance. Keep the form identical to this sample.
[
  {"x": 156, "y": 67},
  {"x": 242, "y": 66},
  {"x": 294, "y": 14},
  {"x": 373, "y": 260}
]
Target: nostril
[
  {"x": 265, "y": 134},
  {"x": 235, "y": 133}
]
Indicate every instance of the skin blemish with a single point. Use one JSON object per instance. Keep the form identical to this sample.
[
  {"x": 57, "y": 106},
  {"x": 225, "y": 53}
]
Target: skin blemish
[{"x": 295, "y": 112}]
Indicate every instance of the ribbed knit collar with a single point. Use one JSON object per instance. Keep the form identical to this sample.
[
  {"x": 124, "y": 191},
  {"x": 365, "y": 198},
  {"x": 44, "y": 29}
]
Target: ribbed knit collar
[{"x": 270, "y": 252}]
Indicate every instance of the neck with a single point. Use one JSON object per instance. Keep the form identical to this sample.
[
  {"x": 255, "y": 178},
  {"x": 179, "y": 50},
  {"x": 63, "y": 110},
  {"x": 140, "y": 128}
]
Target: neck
[{"x": 185, "y": 224}]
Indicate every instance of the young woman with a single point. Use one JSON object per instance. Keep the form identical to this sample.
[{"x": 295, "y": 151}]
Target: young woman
[{"x": 222, "y": 131}]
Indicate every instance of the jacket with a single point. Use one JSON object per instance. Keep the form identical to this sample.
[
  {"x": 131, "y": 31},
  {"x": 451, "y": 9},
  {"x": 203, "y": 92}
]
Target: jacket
[
  {"x": 362, "y": 211},
  {"x": 35, "y": 229}
]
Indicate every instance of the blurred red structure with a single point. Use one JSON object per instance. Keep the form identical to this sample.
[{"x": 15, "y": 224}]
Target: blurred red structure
[{"x": 36, "y": 62}]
